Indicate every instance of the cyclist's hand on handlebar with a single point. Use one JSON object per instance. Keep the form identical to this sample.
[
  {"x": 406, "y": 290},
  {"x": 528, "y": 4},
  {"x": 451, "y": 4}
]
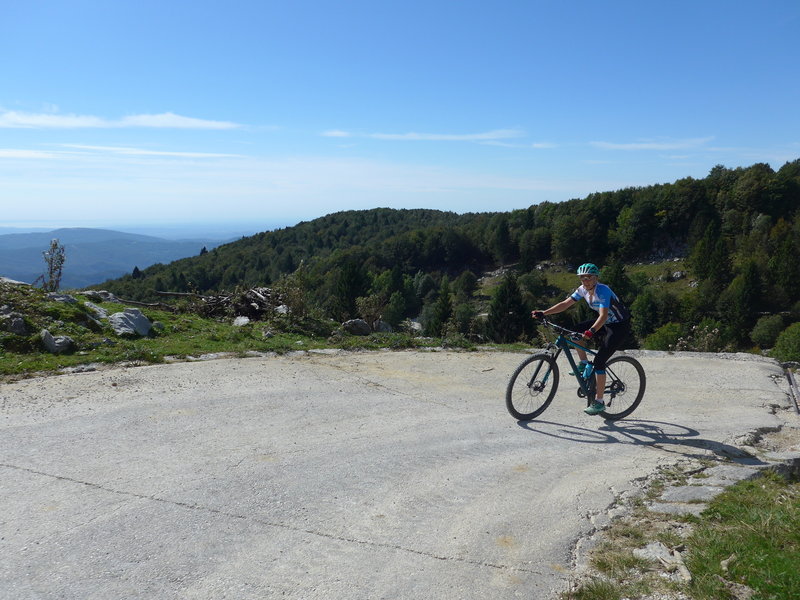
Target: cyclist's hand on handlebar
[
  {"x": 588, "y": 334},
  {"x": 538, "y": 315}
]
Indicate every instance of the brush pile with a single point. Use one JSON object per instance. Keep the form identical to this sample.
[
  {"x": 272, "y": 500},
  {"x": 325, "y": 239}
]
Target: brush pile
[{"x": 257, "y": 304}]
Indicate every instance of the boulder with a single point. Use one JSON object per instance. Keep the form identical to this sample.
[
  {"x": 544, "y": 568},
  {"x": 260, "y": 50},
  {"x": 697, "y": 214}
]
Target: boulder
[
  {"x": 383, "y": 327},
  {"x": 357, "y": 327},
  {"x": 97, "y": 311},
  {"x": 66, "y": 298},
  {"x": 241, "y": 321},
  {"x": 414, "y": 325},
  {"x": 99, "y": 296},
  {"x": 56, "y": 344},
  {"x": 130, "y": 322}
]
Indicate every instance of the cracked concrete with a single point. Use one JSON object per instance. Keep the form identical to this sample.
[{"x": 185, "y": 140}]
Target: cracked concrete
[{"x": 364, "y": 475}]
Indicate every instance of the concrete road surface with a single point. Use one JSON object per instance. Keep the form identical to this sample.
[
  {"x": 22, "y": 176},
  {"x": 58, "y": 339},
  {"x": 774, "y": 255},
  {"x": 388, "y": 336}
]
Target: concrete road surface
[{"x": 357, "y": 475}]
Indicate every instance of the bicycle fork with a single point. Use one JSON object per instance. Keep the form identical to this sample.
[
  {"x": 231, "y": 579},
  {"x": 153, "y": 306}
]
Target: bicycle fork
[{"x": 538, "y": 385}]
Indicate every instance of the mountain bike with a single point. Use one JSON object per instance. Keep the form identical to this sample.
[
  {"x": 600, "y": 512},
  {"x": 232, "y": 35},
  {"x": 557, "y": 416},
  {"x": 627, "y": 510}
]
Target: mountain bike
[{"x": 535, "y": 382}]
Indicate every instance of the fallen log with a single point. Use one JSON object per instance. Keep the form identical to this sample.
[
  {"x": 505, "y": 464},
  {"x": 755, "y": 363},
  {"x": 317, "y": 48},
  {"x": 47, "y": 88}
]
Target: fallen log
[{"x": 160, "y": 305}]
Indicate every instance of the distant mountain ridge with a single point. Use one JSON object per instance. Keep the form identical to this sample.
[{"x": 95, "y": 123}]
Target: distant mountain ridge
[
  {"x": 68, "y": 235},
  {"x": 92, "y": 255}
]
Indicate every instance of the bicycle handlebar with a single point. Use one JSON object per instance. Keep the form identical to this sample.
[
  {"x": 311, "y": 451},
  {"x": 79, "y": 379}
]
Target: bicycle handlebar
[{"x": 562, "y": 330}]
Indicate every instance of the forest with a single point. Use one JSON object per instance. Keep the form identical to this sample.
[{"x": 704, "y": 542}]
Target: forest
[{"x": 736, "y": 233}]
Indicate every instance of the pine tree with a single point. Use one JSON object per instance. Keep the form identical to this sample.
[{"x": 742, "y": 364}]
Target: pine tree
[
  {"x": 507, "y": 313},
  {"x": 739, "y": 304},
  {"x": 502, "y": 247},
  {"x": 442, "y": 310},
  {"x": 394, "y": 313}
]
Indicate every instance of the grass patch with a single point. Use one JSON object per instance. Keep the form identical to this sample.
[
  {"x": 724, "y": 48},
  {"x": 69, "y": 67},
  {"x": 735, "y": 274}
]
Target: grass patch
[
  {"x": 177, "y": 335},
  {"x": 617, "y": 560},
  {"x": 758, "y": 522},
  {"x": 595, "y": 589},
  {"x": 748, "y": 536}
]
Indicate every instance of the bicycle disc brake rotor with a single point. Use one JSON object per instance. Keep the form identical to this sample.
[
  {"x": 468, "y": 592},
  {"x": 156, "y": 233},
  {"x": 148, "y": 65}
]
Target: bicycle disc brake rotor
[{"x": 617, "y": 388}]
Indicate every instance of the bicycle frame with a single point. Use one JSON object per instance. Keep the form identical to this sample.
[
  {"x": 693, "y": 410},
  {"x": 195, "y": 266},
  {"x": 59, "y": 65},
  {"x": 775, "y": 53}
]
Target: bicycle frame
[{"x": 563, "y": 343}]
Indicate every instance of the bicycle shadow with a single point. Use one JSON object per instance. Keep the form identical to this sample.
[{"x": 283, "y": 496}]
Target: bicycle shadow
[{"x": 667, "y": 437}]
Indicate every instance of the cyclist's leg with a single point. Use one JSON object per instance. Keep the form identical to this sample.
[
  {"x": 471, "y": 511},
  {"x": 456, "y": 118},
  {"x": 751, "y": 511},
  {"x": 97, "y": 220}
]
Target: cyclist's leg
[{"x": 613, "y": 336}]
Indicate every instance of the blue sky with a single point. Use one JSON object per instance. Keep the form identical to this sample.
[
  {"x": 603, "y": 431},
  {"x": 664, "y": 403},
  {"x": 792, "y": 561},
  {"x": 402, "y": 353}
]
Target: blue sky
[{"x": 269, "y": 113}]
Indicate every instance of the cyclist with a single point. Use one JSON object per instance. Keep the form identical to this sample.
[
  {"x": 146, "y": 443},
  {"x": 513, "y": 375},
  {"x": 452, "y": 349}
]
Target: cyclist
[{"x": 610, "y": 328}]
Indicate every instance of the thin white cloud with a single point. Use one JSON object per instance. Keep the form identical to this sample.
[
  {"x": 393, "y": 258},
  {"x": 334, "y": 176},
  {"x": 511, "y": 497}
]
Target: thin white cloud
[
  {"x": 497, "y": 134},
  {"x": 336, "y": 133},
  {"x": 661, "y": 144},
  {"x": 26, "y": 154},
  {"x": 487, "y": 136},
  {"x": 22, "y": 120},
  {"x": 521, "y": 146},
  {"x": 144, "y": 152},
  {"x": 173, "y": 121}
]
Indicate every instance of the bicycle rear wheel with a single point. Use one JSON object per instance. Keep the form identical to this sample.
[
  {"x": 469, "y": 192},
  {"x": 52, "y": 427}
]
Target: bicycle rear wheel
[
  {"x": 625, "y": 385},
  {"x": 532, "y": 387}
]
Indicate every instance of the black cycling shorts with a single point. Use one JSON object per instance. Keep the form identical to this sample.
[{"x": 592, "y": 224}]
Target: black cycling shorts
[{"x": 609, "y": 338}]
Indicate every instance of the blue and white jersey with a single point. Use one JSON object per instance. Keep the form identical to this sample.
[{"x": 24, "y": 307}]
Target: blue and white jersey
[{"x": 603, "y": 297}]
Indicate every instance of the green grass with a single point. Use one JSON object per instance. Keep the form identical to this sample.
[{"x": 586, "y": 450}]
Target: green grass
[
  {"x": 179, "y": 335},
  {"x": 596, "y": 589},
  {"x": 757, "y": 522}
]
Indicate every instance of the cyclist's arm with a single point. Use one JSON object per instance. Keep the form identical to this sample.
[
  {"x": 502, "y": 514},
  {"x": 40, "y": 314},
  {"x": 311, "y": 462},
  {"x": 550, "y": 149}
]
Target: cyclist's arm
[
  {"x": 601, "y": 319},
  {"x": 560, "y": 307}
]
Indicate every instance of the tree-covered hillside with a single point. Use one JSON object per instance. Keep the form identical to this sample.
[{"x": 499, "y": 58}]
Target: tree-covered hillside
[{"x": 737, "y": 230}]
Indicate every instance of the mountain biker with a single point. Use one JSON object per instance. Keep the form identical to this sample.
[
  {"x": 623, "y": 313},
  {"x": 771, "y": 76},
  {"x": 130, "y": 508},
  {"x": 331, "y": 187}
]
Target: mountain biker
[{"x": 610, "y": 328}]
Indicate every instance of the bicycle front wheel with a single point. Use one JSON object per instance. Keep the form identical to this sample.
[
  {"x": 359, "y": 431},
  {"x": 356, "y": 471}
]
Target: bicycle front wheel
[
  {"x": 532, "y": 387},
  {"x": 625, "y": 384}
]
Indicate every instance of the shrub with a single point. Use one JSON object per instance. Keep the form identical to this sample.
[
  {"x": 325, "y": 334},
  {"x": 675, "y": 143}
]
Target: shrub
[
  {"x": 664, "y": 338},
  {"x": 767, "y": 330},
  {"x": 787, "y": 347},
  {"x": 708, "y": 336},
  {"x": 463, "y": 314}
]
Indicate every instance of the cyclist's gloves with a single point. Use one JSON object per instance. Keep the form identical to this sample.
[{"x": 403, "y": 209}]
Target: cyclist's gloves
[
  {"x": 588, "y": 334},
  {"x": 538, "y": 314}
]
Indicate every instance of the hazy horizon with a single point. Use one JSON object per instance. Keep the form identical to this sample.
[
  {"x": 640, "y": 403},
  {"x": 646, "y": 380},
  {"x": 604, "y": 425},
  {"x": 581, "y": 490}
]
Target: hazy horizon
[{"x": 213, "y": 231}]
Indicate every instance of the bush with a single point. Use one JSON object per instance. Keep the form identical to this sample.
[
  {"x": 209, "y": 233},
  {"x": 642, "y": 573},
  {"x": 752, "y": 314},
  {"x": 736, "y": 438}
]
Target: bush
[
  {"x": 787, "y": 347},
  {"x": 664, "y": 338},
  {"x": 767, "y": 330},
  {"x": 463, "y": 314},
  {"x": 708, "y": 336},
  {"x": 19, "y": 343}
]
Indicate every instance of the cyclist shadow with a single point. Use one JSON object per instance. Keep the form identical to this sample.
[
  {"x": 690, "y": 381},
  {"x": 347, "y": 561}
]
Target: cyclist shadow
[{"x": 667, "y": 437}]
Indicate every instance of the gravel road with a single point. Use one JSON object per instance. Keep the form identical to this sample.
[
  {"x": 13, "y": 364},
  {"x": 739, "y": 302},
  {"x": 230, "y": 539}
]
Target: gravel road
[{"x": 350, "y": 475}]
